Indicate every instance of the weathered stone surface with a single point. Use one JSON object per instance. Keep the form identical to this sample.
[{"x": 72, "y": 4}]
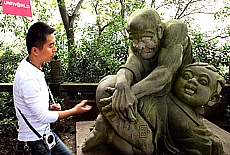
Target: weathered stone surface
[
  {"x": 153, "y": 104},
  {"x": 222, "y": 134},
  {"x": 83, "y": 130}
]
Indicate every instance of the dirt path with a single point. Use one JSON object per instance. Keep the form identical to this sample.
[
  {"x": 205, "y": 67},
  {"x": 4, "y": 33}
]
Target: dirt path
[{"x": 70, "y": 140}]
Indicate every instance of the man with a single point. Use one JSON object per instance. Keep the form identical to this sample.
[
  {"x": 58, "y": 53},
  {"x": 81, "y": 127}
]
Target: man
[{"x": 31, "y": 95}]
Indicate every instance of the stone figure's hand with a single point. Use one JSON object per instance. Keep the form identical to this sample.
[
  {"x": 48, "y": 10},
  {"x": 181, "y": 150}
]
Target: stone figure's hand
[
  {"x": 108, "y": 99},
  {"x": 108, "y": 112},
  {"x": 124, "y": 103}
]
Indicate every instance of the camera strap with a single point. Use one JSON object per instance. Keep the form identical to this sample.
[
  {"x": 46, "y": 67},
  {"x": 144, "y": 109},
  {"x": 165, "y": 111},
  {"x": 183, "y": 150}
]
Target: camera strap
[{"x": 28, "y": 123}]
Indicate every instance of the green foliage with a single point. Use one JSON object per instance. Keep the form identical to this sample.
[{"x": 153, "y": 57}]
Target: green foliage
[
  {"x": 8, "y": 65},
  {"x": 67, "y": 125},
  {"x": 8, "y": 121},
  {"x": 99, "y": 55},
  {"x": 95, "y": 55},
  {"x": 96, "y": 58},
  {"x": 225, "y": 12},
  {"x": 210, "y": 52},
  {"x": 103, "y": 46},
  {"x": 12, "y": 33}
]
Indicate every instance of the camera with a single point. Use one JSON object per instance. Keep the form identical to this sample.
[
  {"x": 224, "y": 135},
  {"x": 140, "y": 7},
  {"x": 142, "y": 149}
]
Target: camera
[{"x": 49, "y": 140}]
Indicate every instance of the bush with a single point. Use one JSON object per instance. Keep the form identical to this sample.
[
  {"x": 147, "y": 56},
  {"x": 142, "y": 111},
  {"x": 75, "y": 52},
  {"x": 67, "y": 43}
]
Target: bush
[
  {"x": 98, "y": 55},
  {"x": 210, "y": 52},
  {"x": 8, "y": 64},
  {"x": 8, "y": 124}
]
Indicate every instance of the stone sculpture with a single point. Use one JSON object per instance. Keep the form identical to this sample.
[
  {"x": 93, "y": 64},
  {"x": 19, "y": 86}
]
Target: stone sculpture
[{"x": 140, "y": 111}]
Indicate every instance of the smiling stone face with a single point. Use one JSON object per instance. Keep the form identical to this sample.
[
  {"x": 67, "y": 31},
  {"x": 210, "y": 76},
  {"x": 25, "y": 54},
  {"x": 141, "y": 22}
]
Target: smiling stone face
[
  {"x": 147, "y": 47},
  {"x": 196, "y": 85}
]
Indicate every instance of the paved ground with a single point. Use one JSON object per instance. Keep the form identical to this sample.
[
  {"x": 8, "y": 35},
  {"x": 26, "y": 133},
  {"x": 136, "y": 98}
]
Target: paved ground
[{"x": 83, "y": 129}]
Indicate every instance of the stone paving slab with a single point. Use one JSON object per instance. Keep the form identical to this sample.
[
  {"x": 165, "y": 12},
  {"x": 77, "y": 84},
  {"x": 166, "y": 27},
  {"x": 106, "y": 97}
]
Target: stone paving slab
[{"x": 83, "y": 129}]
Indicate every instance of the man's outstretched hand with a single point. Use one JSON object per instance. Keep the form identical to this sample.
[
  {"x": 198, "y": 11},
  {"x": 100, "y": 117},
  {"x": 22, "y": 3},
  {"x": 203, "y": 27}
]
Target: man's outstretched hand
[{"x": 82, "y": 107}]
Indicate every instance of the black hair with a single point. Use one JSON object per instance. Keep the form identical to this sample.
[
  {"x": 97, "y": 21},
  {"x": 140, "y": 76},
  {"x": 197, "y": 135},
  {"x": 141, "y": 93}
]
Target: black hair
[{"x": 36, "y": 36}]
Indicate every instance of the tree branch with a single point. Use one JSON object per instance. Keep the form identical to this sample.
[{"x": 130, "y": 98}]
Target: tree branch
[
  {"x": 218, "y": 36},
  {"x": 64, "y": 13},
  {"x": 102, "y": 29},
  {"x": 122, "y": 9},
  {"x": 98, "y": 20},
  {"x": 153, "y": 4},
  {"x": 198, "y": 12},
  {"x": 74, "y": 15},
  {"x": 185, "y": 8}
]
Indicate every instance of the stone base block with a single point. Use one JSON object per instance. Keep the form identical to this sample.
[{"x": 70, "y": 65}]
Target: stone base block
[{"x": 83, "y": 129}]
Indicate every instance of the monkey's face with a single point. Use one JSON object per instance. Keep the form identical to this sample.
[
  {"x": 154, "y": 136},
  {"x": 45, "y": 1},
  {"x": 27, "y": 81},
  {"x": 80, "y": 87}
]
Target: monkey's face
[{"x": 147, "y": 47}]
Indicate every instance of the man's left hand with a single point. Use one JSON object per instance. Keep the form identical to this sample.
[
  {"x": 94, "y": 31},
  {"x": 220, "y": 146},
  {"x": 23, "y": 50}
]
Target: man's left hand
[{"x": 55, "y": 107}]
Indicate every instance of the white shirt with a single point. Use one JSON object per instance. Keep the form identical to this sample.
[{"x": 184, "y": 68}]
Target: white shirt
[{"x": 31, "y": 96}]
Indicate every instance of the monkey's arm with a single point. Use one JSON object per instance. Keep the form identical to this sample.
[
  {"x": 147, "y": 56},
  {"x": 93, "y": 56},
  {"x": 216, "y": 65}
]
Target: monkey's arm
[{"x": 169, "y": 61}]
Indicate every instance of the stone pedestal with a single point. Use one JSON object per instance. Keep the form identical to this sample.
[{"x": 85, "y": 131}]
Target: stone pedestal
[{"x": 83, "y": 129}]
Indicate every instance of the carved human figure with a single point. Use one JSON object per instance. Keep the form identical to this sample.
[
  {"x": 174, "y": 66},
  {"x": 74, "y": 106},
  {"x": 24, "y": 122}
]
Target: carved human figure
[
  {"x": 197, "y": 85},
  {"x": 181, "y": 128},
  {"x": 156, "y": 52},
  {"x": 173, "y": 119}
]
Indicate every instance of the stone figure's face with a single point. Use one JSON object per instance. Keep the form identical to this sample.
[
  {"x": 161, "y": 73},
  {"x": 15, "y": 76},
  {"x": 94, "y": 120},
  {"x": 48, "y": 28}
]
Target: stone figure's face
[
  {"x": 196, "y": 85},
  {"x": 147, "y": 47}
]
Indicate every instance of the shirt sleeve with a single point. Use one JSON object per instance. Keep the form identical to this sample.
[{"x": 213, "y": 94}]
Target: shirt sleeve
[{"x": 36, "y": 98}]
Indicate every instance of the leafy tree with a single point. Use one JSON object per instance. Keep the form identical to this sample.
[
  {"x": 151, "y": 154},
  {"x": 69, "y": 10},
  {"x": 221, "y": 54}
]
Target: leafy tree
[
  {"x": 68, "y": 18},
  {"x": 223, "y": 15},
  {"x": 99, "y": 55},
  {"x": 210, "y": 52}
]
